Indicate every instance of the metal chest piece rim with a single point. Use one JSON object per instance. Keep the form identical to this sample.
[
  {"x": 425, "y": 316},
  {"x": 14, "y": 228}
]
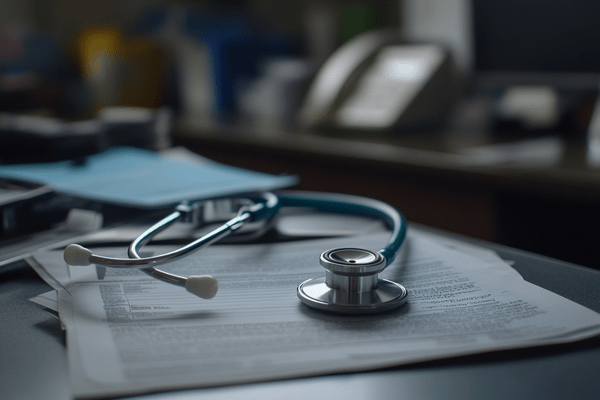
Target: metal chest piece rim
[{"x": 351, "y": 284}]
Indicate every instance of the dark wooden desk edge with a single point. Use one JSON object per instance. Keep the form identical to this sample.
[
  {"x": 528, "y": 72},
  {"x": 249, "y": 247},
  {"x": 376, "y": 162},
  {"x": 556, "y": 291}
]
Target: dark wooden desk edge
[
  {"x": 514, "y": 205},
  {"x": 390, "y": 154}
]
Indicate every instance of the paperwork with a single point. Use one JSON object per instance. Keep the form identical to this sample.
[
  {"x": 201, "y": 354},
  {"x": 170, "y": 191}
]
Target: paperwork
[
  {"x": 130, "y": 334},
  {"x": 133, "y": 178},
  {"x": 140, "y": 178}
]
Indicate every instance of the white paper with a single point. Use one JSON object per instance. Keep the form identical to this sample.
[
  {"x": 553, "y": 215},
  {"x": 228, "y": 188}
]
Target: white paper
[
  {"x": 49, "y": 303},
  {"x": 132, "y": 334},
  {"x": 47, "y": 300}
]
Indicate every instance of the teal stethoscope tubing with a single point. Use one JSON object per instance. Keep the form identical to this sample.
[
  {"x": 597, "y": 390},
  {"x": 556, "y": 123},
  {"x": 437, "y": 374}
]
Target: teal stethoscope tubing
[
  {"x": 267, "y": 206},
  {"x": 353, "y": 205}
]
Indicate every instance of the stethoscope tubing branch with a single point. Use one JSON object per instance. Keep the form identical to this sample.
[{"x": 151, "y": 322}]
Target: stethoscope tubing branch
[
  {"x": 206, "y": 240},
  {"x": 266, "y": 207}
]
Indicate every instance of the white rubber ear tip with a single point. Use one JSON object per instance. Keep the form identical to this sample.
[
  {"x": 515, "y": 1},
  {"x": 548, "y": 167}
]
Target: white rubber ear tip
[
  {"x": 202, "y": 286},
  {"x": 77, "y": 255}
]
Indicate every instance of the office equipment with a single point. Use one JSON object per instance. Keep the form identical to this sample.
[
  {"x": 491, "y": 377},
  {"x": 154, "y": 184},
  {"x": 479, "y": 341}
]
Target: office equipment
[
  {"x": 536, "y": 43},
  {"x": 540, "y": 49},
  {"x": 511, "y": 43},
  {"x": 30, "y": 138},
  {"x": 351, "y": 284},
  {"x": 460, "y": 304},
  {"x": 374, "y": 83},
  {"x": 539, "y": 43},
  {"x": 37, "y": 139},
  {"x": 17, "y": 204}
]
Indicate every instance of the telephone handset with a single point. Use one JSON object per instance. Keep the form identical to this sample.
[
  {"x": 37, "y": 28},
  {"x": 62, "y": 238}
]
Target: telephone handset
[{"x": 373, "y": 82}]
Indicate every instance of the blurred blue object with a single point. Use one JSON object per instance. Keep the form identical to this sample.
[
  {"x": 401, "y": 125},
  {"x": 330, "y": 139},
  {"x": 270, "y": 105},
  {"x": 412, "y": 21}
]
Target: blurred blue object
[
  {"x": 236, "y": 52},
  {"x": 24, "y": 50},
  {"x": 138, "y": 178},
  {"x": 35, "y": 74}
]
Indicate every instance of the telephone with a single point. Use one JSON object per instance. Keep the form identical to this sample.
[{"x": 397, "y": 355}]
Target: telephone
[{"x": 373, "y": 82}]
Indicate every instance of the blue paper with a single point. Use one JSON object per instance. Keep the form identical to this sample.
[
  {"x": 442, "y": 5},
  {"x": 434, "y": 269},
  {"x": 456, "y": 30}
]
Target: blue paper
[{"x": 140, "y": 178}]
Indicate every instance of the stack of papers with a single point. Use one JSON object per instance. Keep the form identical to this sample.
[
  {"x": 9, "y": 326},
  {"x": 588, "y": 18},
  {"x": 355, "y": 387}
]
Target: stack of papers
[{"x": 130, "y": 334}]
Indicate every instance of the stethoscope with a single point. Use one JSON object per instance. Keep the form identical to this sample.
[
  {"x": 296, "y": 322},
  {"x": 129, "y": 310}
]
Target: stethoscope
[{"x": 351, "y": 284}]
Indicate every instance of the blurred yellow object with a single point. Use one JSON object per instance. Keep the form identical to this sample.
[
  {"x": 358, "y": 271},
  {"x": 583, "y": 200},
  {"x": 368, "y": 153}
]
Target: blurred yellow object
[
  {"x": 121, "y": 71},
  {"x": 96, "y": 47},
  {"x": 142, "y": 63}
]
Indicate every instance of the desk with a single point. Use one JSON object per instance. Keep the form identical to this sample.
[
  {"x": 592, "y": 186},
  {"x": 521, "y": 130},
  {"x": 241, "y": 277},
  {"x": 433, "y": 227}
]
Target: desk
[
  {"x": 426, "y": 176},
  {"x": 34, "y": 364}
]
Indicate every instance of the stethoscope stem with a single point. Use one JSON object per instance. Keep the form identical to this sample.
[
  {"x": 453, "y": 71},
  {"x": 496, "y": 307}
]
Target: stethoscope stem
[
  {"x": 136, "y": 261},
  {"x": 206, "y": 240}
]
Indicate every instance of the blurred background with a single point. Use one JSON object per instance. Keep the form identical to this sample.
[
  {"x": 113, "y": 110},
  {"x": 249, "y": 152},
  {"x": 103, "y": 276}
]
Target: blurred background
[{"x": 474, "y": 116}]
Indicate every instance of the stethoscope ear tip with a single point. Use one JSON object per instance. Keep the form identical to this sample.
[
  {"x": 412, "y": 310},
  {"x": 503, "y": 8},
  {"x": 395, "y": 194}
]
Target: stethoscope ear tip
[
  {"x": 77, "y": 255},
  {"x": 203, "y": 286}
]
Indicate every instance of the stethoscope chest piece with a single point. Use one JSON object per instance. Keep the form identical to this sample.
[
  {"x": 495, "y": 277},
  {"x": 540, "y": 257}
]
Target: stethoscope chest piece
[{"x": 351, "y": 284}]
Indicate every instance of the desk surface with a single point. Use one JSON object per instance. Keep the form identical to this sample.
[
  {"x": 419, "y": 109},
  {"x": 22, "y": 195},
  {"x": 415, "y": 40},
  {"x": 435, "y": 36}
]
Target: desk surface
[{"x": 34, "y": 362}]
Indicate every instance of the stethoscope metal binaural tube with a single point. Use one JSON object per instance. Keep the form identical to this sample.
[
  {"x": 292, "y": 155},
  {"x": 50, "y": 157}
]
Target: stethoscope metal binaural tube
[
  {"x": 203, "y": 286},
  {"x": 149, "y": 263},
  {"x": 351, "y": 284}
]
